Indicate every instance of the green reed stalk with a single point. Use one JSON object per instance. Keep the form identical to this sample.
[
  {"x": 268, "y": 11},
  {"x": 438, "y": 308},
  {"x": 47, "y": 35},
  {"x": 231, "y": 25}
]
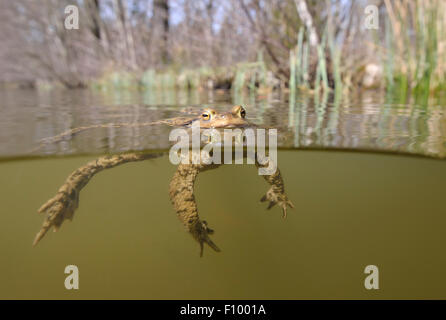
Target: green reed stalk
[
  {"x": 322, "y": 67},
  {"x": 292, "y": 81},
  {"x": 148, "y": 79},
  {"x": 305, "y": 53},
  {"x": 292, "y": 87},
  {"x": 252, "y": 82},
  {"x": 335, "y": 55},
  {"x": 262, "y": 69},
  {"x": 389, "y": 63},
  {"x": 299, "y": 71},
  {"x": 429, "y": 31}
]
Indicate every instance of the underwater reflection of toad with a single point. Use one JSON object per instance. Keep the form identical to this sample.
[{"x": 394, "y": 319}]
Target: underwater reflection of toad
[{"x": 63, "y": 205}]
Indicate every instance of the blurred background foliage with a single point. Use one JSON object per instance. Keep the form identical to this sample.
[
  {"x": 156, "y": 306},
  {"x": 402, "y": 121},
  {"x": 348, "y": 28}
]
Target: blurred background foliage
[{"x": 255, "y": 45}]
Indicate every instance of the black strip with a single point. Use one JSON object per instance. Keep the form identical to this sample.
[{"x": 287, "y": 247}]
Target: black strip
[{"x": 226, "y": 309}]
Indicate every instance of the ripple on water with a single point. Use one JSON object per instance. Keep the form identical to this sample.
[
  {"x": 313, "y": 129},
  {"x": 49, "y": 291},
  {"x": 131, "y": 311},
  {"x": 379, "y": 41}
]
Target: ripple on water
[{"x": 29, "y": 116}]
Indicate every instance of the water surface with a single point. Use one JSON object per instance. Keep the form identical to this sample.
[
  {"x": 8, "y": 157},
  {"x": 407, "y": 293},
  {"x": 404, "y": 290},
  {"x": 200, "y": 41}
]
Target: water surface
[
  {"x": 353, "y": 208},
  {"x": 29, "y": 116}
]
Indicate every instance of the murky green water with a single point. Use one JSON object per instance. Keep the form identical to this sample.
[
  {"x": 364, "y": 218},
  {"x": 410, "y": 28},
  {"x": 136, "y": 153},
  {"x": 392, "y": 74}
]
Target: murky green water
[{"x": 353, "y": 209}]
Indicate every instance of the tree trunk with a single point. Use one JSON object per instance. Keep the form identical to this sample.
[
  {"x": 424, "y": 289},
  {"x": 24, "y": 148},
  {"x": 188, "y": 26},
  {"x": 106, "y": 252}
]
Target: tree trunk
[
  {"x": 160, "y": 25},
  {"x": 306, "y": 18}
]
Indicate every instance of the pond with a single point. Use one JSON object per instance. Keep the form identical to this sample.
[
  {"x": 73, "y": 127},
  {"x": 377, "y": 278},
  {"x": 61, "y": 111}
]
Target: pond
[{"x": 367, "y": 179}]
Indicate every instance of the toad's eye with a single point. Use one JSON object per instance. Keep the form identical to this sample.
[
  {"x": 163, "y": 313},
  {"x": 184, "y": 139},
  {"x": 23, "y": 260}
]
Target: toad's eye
[
  {"x": 205, "y": 115},
  {"x": 238, "y": 111}
]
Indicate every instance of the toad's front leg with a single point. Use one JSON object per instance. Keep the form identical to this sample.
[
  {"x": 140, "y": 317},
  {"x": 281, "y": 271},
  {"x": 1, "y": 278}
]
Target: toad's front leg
[
  {"x": 181, "y": 191},
  {"x": 276, "y": 193}
]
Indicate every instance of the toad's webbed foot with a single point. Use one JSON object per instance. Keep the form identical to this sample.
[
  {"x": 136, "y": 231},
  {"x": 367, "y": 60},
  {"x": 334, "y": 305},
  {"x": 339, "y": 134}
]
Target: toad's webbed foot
[
  {"x": 58, "y": 208},
  {"x": 200, "y": 231},
  {"x": 274, "y": 197}
]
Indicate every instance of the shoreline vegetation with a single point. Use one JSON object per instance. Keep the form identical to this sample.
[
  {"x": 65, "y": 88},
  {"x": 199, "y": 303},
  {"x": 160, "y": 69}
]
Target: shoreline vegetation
[{"x": 318, "y": 47}]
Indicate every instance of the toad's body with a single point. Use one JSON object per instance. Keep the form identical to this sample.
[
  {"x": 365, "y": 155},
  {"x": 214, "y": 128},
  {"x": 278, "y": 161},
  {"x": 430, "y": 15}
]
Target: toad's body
[{"x": 181, "y": 190}]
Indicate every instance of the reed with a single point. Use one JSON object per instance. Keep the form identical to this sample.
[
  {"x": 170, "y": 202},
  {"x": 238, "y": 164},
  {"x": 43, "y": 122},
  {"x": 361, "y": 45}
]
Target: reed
[
  {"x": 305, "y": 56},
  {"x": 414, "y": 39},
  {"x": 411, "y": 47},
  {"x": 335, "y": 55},
  {"x": 292, "y": 87},
  {"x": 148, "y": 79},
  {"x": 299, "y": 64},
  {"x": 299, "y": 58},
  {"x": 293, "y": 67},
  {"x": 322, "y": 65},
  {"x": 262, "y": 71}
]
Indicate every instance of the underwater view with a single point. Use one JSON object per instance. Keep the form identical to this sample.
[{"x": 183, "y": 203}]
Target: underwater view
[
  {"x": 366, "y": 180},
  {"x": 232, "y": 157}
]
